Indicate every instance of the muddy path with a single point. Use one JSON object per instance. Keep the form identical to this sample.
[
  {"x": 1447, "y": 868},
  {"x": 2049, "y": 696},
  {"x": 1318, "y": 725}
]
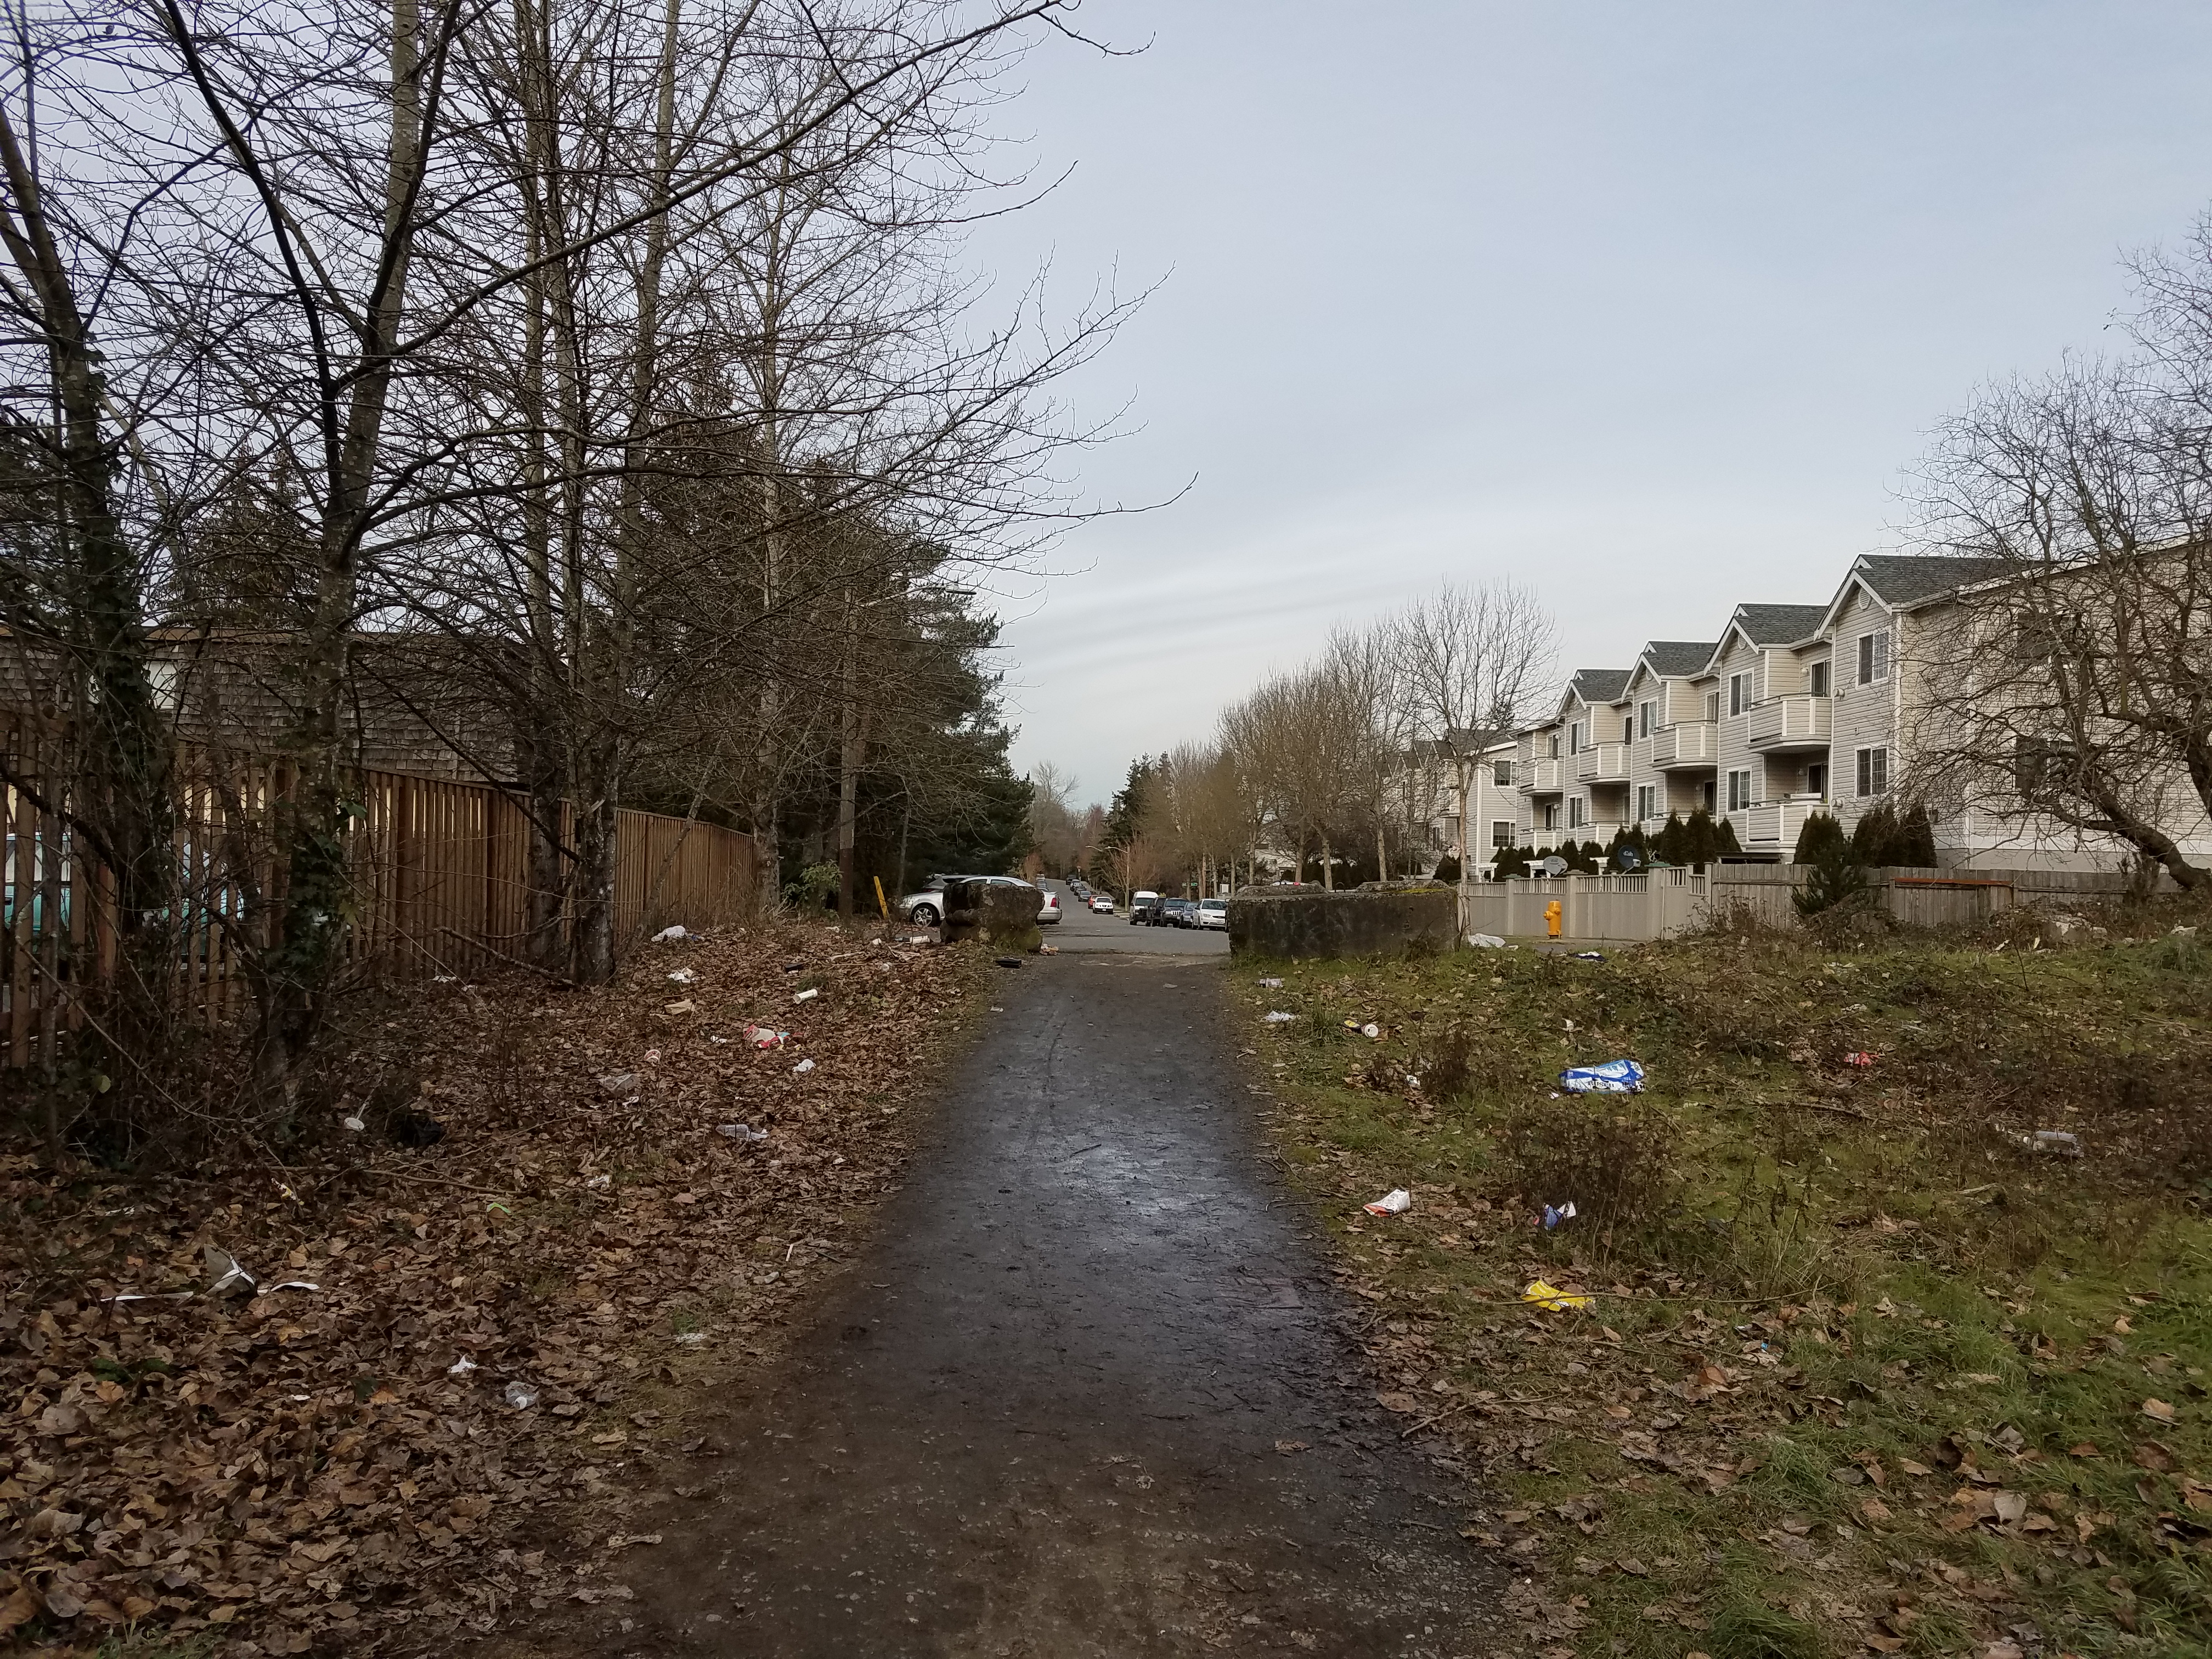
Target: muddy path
[{"x": 1088, "y": 1393}]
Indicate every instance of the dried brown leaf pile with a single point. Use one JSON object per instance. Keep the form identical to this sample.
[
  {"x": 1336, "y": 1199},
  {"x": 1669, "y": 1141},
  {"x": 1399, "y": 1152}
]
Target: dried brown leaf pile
[{"x": 334, "y": 1458}]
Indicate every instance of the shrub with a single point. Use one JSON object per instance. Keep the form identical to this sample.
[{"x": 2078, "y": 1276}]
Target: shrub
[
  {"x": 1448, "y": 870},
  {"x": 1838, "y": 877},
  {"x": 1821, "y": 831},
  {"x": 1612, "y": 1160}
]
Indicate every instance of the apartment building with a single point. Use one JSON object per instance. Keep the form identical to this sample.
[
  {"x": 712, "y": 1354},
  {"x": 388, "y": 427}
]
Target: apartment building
[
  {"x": 1793, "y": 709},
  {"x": 1492, "y": 806}
]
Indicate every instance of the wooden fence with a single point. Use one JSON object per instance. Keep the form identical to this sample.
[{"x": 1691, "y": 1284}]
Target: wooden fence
[{"x": 439, "y": 885}]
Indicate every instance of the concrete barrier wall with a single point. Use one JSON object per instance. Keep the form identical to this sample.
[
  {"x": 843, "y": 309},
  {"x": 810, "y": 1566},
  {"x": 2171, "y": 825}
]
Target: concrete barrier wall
[{"x": 1379, "y": 919}]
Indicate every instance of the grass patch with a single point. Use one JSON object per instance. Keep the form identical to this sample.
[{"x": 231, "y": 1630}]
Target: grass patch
[{"x": 1864, "y": 1370}]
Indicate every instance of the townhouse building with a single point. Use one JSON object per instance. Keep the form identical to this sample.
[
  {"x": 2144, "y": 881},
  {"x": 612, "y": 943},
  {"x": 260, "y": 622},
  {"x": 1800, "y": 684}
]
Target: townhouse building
[{"x": 1793, "y": 709}]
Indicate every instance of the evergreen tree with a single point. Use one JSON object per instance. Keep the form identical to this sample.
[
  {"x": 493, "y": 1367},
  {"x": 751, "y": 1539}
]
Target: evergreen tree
[{"x": 1820, "y": 831}]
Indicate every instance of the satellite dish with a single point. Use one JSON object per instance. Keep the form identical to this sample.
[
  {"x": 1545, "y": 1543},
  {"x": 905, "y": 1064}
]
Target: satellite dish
[
  {"x": 1555, "y": 865},
  {"x": 1629, "y": 857}
]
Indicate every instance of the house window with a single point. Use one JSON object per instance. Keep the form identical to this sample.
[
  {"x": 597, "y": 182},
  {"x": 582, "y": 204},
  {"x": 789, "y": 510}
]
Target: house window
[
  {"x": 1647, "y": 717},
  {"x": 1816, "y": 781},
  {"x": 1555, "y": 745},
  {"x": 1874, "y": 771},
  {"x": 2038, "y": 765},
  {"x": 1738, "y": 693},
  {"x": 1819, "y": 679},
  {"x": 1502, "y": 775},
  {"x": 1874, "y": 658},
  {"x": 1577, "y": 812},
  {"x": 1705, "y": 792},
  {"x": 1575, "y": 739},
  {"x": 1628, "y": 729},
  {"x": 1647, "y": 801},
  {"x": 1501, "y": 833},
  {"x": 1552, "y": 815},
  {"x": 1739, "y": 790},
  {"x": 1712, "y": 705}
]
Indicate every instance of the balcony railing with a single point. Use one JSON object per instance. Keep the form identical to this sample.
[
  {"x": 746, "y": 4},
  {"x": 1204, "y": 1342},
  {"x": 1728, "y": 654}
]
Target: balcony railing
[
  {"x": 1771, "y": 826},
  {"x": 1685, "y": 743},
  {"x": 1541, "y": 777},
  {"x": 1602, "y": 762},
  {"x": 1790, "y": 723},
  {"x": 1601, "y": 832}
]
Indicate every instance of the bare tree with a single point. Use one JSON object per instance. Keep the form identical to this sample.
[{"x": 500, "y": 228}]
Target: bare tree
[
  {"x": 1473, "y": 663},
  {"x": 2068, "y": 683}
]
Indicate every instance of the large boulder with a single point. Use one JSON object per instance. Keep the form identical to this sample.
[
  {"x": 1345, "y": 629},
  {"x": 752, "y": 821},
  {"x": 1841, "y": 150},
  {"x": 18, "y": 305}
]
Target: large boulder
[
  {"x": 1381, "y": 918},
  {"x": 1001, "y": 913}
]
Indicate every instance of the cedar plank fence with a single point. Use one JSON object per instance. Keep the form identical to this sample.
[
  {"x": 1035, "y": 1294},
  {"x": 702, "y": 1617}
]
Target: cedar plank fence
[{"x": 439, "y": 887}]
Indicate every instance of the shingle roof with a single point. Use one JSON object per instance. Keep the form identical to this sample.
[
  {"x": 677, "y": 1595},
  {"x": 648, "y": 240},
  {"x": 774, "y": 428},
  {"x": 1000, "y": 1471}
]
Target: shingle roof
[
  {"x": 1779, "y": 624},
  {"x": 1908, "y": 577},
  {"x": 1600, "y": 684},
  {"x": 1678, "y": 656}
]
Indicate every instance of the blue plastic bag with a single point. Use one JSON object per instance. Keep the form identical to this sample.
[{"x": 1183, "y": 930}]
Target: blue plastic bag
[{"x": 1616, "y": 1077}]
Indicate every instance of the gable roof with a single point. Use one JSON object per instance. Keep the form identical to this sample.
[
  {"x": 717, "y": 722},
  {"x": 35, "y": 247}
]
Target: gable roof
[
  {"x": 1679, "y": 657},
  {"x": 1909, "y": 577},
  {"x": 1600, "y": 684},
  {"x": 1778, "y": 624}
]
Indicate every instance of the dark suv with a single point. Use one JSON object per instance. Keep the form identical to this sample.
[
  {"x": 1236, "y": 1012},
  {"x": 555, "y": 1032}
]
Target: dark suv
[{"x": 1178, "y": 913}]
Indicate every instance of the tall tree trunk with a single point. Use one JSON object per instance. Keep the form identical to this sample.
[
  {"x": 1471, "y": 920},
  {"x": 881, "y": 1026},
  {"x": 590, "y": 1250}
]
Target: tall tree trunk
[
  {"x": 849, "y": 755},
  {"x": 312, "y": 816},
  {"x": 545, "y": 771},
  {"x": 122, "y": 801}
]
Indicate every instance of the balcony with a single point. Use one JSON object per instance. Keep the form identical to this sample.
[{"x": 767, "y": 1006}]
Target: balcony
[
  {"x": 1772, "y": 826},
  {"x": 1602, "y": 762},
  {"x": 1541, "y": 777},
  {"x": 1684, "y": 744},
  {"x": 1781, "y": 724}
]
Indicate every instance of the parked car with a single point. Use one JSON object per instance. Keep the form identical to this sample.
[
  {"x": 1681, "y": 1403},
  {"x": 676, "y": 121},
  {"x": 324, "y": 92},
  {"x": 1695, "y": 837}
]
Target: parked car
[
  {"x": 1214, "y": 913},
  {"x": 1137, "y": 903},
  {"x": 1101, "y": 904},
  {"x": 1050, "y": 911},
  {"x": 1178, "y": 913}
]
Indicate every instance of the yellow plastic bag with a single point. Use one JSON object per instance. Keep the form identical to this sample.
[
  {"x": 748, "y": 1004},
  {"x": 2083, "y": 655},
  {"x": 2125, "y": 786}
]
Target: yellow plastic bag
[{"x": 1552, "y": 1298}]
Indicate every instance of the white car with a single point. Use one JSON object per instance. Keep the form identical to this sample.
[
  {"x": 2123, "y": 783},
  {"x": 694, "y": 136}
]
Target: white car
[
  {"x": 1214, "y": 913},
  {"x": 1050, "y": 912},
  {"x": 1138, "y": 901},
  {"x": 1101, "y": 904}
]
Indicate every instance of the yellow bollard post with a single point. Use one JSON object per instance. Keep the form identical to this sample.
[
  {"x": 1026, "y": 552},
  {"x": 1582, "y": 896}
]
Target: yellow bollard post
[
  {"x": 1551, "y": 917},
  {"x": 882, "y": 904}
]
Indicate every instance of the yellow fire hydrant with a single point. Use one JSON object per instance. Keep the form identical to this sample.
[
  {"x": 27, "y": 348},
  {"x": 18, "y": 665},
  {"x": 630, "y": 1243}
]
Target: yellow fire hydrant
[{"x": 1551, "y": 917}]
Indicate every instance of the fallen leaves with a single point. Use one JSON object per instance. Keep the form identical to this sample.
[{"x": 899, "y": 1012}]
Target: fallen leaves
[{"x": 302, "y": 1464}]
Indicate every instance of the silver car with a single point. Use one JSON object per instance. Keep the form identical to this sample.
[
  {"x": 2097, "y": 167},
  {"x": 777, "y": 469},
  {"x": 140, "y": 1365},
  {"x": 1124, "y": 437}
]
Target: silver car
[{"x": 926, "y": 908}]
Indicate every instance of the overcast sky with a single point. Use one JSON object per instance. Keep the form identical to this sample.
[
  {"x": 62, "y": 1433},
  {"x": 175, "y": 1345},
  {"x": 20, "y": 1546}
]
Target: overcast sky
[{"x": 1647, "y": 305}]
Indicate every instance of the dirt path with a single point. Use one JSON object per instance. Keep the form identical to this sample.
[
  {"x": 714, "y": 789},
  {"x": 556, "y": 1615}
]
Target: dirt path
[{"x": 1046, "y": 1413}]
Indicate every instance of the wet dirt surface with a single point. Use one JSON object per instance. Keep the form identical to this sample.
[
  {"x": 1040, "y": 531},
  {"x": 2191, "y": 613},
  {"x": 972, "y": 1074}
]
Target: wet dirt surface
[{"x": 1087, "y": 1393}]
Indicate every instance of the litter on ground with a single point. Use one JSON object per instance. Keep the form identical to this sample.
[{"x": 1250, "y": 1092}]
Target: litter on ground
[
  {"x": 1397, "y": 1202},
  {"x": 1555, "y": 1213},
  {"x": 670, "y": 935},
  {"x": 1485, "y": 941},
  {"x": 804, "y": 1066},
  {"x": 1271, "y": 985},
  {"x": 1551, "y": 1298},
  {"x": 1276, "y": 1017},
  {"x": 805, "y": 996},
  {"x": 1616, "y": 1077},
  {"x": 743, "y": 1132}
]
